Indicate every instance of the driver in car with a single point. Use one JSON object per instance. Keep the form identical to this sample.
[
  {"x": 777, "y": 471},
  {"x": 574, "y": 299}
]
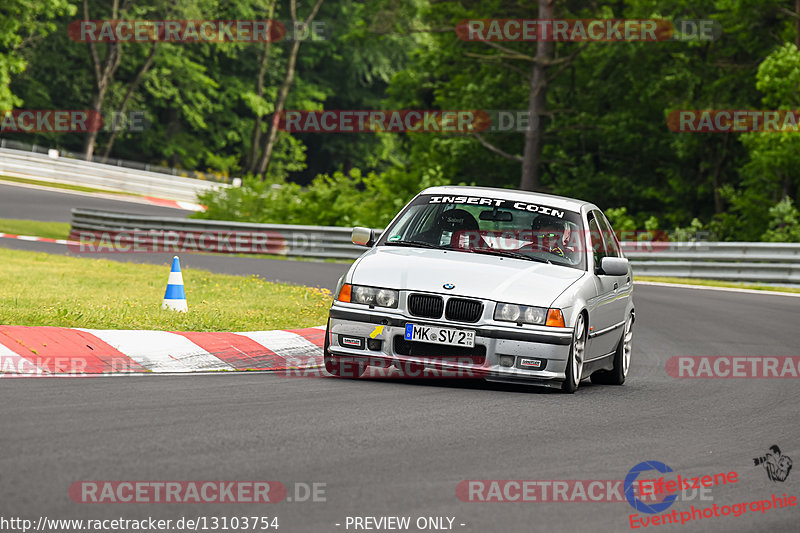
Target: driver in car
[{"x": 552, "y": 235}]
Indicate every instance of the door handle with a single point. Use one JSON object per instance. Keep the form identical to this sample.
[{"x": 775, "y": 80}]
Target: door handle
[{"x": 616, "y": 286}]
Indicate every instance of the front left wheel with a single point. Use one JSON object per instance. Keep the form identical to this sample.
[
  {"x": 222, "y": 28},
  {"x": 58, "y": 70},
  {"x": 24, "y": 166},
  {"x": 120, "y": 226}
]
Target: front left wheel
[
  {"x": 574, "y": 371},
  {"x": 622, "y": 359}
]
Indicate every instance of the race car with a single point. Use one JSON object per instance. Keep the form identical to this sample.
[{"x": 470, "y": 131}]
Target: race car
[{"x": 504, "y": 285}]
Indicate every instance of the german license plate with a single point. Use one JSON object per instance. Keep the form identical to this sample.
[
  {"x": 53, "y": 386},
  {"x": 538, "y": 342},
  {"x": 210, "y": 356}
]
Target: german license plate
[{"x": 437, "y": 335}]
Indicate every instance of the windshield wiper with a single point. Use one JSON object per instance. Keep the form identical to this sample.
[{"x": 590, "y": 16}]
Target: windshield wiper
[
  {"x": 420, "y": 244},
  {"x": 515, "y": 255}
]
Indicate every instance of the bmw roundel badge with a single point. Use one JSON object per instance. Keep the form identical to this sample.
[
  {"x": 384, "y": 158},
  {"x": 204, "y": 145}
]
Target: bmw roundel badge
[{"x": 448, "y": 286}]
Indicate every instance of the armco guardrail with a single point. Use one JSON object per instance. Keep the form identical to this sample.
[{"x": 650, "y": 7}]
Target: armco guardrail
[
  {"x": 732, "y": 261},
  {"x": 117, "y": 162},
  {"x": 17, "y": 163},
  {"x": 729, "y": 261},
  {"x": 144, "y": 233}
]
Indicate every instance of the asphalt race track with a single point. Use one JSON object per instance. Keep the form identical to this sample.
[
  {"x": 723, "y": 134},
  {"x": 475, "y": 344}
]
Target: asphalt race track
[
  {"x": 400, "y": 448},
  {"x": 395, "y": 448},
  {"x": 315, "y": 274},
  {"x": 54, "y": 205}
]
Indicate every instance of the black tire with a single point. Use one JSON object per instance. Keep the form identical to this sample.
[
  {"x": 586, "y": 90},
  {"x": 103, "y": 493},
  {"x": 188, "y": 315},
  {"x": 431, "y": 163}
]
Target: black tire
[
  {"x": 617, "y": 375},
  {"x": 341, "y": 367},
  {"x": 577, "y": 349}
]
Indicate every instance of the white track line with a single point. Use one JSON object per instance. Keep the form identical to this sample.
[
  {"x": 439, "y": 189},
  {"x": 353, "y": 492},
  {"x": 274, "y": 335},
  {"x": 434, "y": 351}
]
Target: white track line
[
  {"x": 160, "y": 351},
  {"x": 130, "y": 198},
  {"x": 285, "y": 344},
  {"x": 12, "y": 363},
  {"x": 34, "y": 238},
  {"x": 708, "y": 288}
]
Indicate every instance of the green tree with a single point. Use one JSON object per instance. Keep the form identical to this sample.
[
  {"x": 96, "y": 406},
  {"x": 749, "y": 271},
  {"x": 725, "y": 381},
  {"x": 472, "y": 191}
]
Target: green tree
[
  {"x": 22, "y": 23},
  {"x": 784, "y": 224},
  {"x": 770, "y": 175}
]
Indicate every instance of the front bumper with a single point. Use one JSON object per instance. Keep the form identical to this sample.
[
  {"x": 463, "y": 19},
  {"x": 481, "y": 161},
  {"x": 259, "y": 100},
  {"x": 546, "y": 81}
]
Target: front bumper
[{"x": 382, "y": 332}]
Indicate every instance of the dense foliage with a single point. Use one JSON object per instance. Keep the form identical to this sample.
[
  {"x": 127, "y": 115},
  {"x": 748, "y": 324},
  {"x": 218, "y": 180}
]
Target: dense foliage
[
  {"x": 340, "y": 199},
  {"x": 604, "y": 131}
]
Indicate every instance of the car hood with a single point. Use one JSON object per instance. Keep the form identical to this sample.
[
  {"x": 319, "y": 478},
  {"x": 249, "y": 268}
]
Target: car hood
[{"x": 474, "y": 275}]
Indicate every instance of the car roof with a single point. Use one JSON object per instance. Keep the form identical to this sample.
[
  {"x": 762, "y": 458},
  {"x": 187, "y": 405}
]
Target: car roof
[{"x": 559, "y": 202}]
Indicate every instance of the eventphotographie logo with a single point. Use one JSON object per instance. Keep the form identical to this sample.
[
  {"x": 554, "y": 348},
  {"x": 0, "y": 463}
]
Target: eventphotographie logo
[
  {"x": 630, "y": 493},
  {"x": 775, "y": 463}
]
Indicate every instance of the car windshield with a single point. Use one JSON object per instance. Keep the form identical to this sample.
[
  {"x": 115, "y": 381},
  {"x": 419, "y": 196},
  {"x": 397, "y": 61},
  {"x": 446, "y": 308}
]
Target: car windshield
[{"x": 506, "y": 228}]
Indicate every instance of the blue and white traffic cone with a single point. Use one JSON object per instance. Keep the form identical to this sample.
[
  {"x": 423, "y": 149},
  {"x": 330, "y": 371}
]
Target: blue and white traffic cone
[{"x": 175, "y": 297}]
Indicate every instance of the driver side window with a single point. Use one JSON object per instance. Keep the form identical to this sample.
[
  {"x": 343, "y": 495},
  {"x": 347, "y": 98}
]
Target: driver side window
[
  {"x": 612, "y": 249},
  {"x": 598, "y": 247}
]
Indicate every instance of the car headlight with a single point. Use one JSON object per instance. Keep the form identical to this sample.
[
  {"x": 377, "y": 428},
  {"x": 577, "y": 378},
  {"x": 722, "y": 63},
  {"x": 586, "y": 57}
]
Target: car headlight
[
  {"x": 507, "y": 312},
  {"x": 360, "y": 294},
  {"x": 520, "y": 313},
  {"x": 386, "y": 298}
]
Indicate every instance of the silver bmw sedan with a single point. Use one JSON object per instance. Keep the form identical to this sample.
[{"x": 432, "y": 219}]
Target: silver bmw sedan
[{"x": 502, "y": 285}]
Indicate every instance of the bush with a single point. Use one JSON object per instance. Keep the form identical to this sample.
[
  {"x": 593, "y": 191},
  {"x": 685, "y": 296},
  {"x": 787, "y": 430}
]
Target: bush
[
  {"x": 695, "y": 231},
  {"x": 623, "y": 224},
  {"x": 338, "y": 200},
  {"x": 372, "y": 200},
  {"x": 620, "y": 220},
  {"x": 784, "y": 224}
]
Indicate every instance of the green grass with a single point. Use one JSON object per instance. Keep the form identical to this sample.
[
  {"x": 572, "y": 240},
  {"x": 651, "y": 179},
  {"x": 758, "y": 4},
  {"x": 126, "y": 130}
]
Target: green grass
[
  {"x": 716, "y": 283},
  {"x": 295, "y": 258},
  {"x": 38, "y": 289},
  {"x": 67, "y": 186},
  {"x": 60, "y": 230},
  {"x": 53, "y": 230}
]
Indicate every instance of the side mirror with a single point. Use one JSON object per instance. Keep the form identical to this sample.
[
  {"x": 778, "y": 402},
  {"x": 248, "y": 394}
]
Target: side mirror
[
  {"x": 614, "y": 266},
  {"x": 363, "y": 236}
]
